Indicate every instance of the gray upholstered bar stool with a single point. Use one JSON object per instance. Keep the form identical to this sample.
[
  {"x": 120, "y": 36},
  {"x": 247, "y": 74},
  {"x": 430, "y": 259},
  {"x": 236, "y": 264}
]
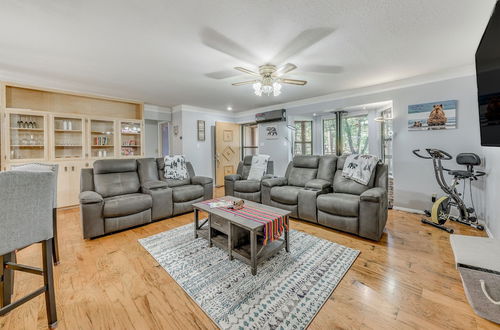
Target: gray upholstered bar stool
[
  {"x": 26, "y": 219},
  {"x": 39, "y": 167}
]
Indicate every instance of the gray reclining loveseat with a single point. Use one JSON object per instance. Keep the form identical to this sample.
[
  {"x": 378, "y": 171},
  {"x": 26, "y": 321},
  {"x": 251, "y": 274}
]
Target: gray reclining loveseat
[
  {"x": 356, "y": 208},
  {"x": 238, "y": 185},
  {"x": 121, "y": 193},
  {"x": 314, "y": 189}
]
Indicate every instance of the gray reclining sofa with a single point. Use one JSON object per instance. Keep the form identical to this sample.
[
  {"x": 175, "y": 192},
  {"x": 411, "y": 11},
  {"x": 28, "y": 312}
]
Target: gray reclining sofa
[
  {"x": 121, "y": 193},
  {"x": 238, "y": 185},
  {"x": 314, "y": 189}
]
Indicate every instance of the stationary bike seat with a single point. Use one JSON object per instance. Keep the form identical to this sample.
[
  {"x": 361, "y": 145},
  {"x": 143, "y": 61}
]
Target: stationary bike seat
[{"x": 461, "y": 174}]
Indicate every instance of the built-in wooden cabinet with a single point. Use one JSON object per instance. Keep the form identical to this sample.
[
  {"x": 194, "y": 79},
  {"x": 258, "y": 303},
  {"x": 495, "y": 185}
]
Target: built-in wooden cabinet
[{"x": 72, "y": 130}]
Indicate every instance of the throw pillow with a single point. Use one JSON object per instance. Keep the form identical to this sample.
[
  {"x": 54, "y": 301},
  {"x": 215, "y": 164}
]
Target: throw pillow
[
  {"x": 258, "y": 167},
  {"x": 175, "y": 167}
]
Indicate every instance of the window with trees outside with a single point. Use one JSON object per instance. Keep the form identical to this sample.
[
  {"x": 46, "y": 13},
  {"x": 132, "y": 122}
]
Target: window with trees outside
[
  {"x": 303, "y": 137},
  {"x": 329, "y": 136},
  {"x": 355, "y": 134}
]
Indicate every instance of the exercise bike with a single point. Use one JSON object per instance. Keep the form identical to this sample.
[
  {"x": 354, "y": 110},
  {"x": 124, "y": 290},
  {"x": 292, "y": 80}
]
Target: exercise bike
[{"x": 442, "y": 207}]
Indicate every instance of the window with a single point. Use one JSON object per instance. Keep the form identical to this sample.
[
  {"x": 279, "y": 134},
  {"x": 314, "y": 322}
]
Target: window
[
  {"x": 250, "y": 145},
  {"x": 330, "y": 136},
  {"x": 355, "y": 134},
  {"x": 303, "y": 137}
]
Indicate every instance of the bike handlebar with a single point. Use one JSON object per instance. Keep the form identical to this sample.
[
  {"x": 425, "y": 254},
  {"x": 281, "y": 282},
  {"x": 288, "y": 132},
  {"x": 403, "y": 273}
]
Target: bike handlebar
[{"x": 433, "y": 153}]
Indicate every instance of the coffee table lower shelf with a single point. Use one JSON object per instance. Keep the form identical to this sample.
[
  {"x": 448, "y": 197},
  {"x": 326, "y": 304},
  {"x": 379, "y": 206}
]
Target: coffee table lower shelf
[{"x": 219, "y": 231}]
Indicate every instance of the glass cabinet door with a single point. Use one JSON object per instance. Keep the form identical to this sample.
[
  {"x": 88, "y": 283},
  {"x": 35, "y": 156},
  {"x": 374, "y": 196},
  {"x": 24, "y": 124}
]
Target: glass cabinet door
[
  {"x": 130, "y": 138},
  {"x": 102, "y": 138},
  {"x": 27, "y": 138},
  {"x": 68, "y": 137}
]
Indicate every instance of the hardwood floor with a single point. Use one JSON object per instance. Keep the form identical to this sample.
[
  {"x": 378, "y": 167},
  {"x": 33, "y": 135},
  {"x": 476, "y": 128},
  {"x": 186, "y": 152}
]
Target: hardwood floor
[{"x": 406, "y": 281}]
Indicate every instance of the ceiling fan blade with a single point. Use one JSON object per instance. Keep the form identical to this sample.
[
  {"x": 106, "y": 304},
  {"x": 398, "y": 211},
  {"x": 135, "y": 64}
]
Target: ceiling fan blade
[
  {"x": 294, "y": 81},
  {"x": 302, "y": 41},
  {"x": 284, "y": 69},
  {"x": 250, "y": 72},
  {"x": 328, "y": 69},
  {"x": 245, "y": 82},
  {"x": 223, "y": 44},
  {"x": 224, "y": 74}
]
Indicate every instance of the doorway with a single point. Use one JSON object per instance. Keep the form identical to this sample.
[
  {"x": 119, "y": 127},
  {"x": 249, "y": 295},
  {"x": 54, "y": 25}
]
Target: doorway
[
  {"x": 164, "y": 138},
  {"x": 227, "y": 150},
  {"x": 250, "y": 134}
]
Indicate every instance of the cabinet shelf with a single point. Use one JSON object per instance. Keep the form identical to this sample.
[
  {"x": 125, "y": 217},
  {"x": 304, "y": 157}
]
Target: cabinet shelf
[
  {"x": 68, "y": 146},
  {"x": 131, "y": 146},
  {"x": 130, "y": 133},
  {"x": 102, "y": 146},
  {"x": 67, "y": 131},
  {"x": 26, "y": 146},
  {"x": 27, "y": 129}
]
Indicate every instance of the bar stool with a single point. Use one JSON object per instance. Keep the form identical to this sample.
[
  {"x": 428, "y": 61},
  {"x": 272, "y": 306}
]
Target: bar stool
[
  {"x": 26, "y": 219},
  {"x": 39, "y": 167}
]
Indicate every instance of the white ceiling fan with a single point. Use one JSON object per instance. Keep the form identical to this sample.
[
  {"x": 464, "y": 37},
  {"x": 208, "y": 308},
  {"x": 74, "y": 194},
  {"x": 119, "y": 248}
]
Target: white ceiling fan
[{"x": 270, "y": 78}]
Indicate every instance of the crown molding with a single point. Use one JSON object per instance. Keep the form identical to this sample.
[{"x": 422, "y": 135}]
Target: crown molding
[
  {"x": 157, "y": 108},
  {"x": 191, "y": 108},
  {"x": 463, "y": 71}
]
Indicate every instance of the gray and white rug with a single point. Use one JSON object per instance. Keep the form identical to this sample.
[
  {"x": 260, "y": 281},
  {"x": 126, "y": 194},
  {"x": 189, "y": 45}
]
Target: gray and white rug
[{"x": 287, "y": 292}]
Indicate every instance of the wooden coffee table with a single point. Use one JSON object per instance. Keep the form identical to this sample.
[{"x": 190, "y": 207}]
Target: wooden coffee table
[{"x": 240, "y": 237}]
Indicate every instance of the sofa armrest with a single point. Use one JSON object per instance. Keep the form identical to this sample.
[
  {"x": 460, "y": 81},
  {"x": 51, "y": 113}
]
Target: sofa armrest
[
  {"x": 374, "y": 195},
  {"x": 318, "y": 184},
  {"x": 281, "y": 181},
  {"x": 201, "y": 180},
  {"x": 232, "y": 177},
  {"x": 372, "y": 213},
  {"x": 89, "y": 197},
  {"x": 152, "y": 185},
  {"x": 268, "y": 176}
]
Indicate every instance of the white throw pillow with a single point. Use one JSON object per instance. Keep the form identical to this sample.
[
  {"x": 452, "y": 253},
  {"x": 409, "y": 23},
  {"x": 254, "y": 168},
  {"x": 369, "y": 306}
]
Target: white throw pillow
[
  {"x": 258, "y": 167},
  {"x": 175, "y": 167}
]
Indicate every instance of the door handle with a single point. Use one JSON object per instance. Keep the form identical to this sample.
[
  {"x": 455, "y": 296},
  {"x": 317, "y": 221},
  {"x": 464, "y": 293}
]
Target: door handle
[
  {"x": 73, "y": 168},
  {"x": 65, "y": 168}
]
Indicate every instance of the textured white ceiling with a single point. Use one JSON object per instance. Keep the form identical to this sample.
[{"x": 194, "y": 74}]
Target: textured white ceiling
[{"x": 161, "y": 51}]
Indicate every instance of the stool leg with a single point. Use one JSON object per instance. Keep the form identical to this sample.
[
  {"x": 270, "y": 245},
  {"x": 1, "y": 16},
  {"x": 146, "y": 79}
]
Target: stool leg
[
  {"x": 7, "y": 284},
  {"x": 48, "y": 280},
  {"x": 55, "y": 245}
]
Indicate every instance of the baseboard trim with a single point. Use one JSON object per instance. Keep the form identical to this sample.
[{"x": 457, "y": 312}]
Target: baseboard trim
[
  {"x": 488, "y": 232},
  {"x": 406, "y": 209}
]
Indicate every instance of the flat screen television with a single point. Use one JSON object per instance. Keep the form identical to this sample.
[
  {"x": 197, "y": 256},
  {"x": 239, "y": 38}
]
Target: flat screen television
[{"x": 488, "y": 81}]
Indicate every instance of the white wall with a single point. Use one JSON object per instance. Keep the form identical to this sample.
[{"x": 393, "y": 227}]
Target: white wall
[
  {"x": 151, "y": 138},
  {"x": 279, "y": 149},
  {"x": 414, "y": 179},
  {"x": 176, "y": 145},
  {"x": 200, "y": 153},
  {"x": 492, "y": 190}
]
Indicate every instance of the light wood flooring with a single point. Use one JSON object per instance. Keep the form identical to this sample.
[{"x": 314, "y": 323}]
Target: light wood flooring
[{"x": 406, "y": 281}]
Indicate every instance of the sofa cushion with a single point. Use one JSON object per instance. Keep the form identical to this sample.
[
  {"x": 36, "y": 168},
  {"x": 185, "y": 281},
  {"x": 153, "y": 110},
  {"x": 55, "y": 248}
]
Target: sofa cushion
[
  {"x": 345, "y": 205},
  {"x": 176, "y": 183},
  {"x": 160, "y": 162},
  {"x": 122, "y": 205},
  {"x": 300, "y": 176},
  {"x": 187, "y": 193},
  {"x": 115, "y": 184},
  {"x": 285, "y": 194},
  {"x": 247, "y": 186},
  {"x": 305, "y": 161},
  {"x": 348, "y": 186}
]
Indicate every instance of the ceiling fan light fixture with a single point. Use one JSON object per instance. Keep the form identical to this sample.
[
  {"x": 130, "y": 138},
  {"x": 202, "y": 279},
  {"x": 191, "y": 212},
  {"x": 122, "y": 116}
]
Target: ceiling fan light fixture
[
  {"x": 276, "y": 88},
  {"x": 257, "y": 87}
]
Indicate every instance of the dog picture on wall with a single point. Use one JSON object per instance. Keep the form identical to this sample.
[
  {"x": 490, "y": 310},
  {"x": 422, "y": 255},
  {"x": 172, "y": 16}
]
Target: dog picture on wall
[
  {"x": 271, "y": 132},
  {"x": 432, "y": 116}
]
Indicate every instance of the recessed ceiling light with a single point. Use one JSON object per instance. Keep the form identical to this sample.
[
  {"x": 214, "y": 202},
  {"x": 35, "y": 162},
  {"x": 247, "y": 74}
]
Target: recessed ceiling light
[{"x": 229, "y": 108}]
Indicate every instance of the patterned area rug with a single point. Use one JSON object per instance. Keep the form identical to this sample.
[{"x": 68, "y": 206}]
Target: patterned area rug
[{"x": 287, "y": 292}]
